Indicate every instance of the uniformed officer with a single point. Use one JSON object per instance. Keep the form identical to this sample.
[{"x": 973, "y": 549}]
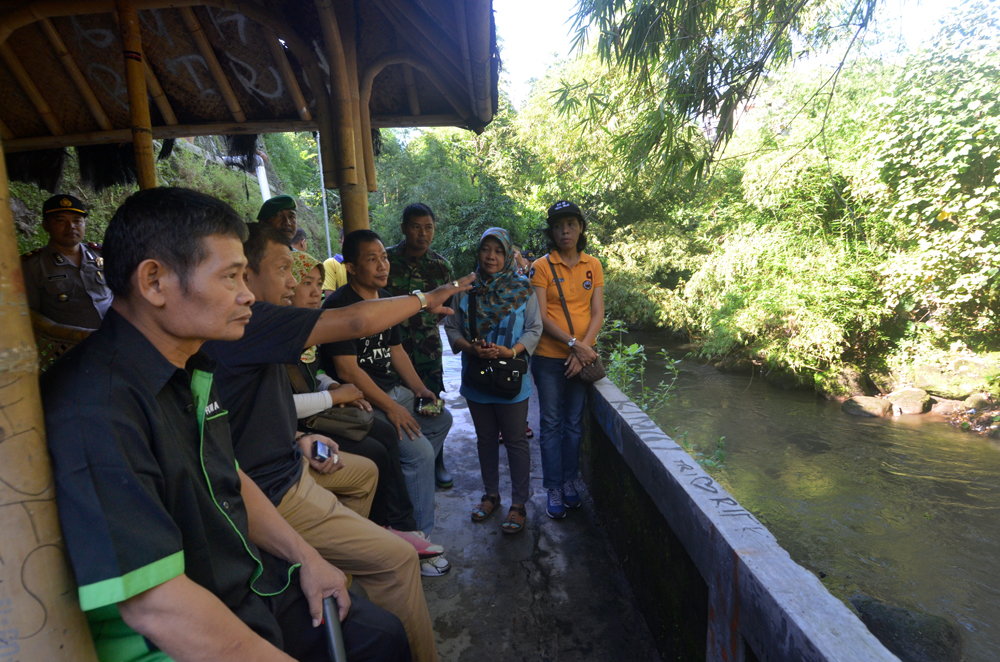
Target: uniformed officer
[
  {"x": 279, "y": 213},
  {"x": 64, "y": 279}
]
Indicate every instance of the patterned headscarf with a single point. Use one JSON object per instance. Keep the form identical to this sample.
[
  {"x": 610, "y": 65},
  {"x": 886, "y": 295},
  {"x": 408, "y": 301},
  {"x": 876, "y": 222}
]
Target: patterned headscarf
[
  {"x": 302, "y": 264},
  {"x": 499, "y": 295}
]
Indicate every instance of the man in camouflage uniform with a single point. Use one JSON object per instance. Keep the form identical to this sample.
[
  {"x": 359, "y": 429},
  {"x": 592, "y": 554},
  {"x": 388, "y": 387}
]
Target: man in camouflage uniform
[
  {"x": 414, "y": 266},
  {"x": 64, "y": 280}
]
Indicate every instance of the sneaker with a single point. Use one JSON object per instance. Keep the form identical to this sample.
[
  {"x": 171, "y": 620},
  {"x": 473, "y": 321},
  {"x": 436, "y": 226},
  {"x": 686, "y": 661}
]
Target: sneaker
[
  {"x": 571, "y": 498},
  {"x": 528, "y": 433},
  {"x": 425, "y": 548},
  {"x": 555, "y": 508},
  {"x": 435, "y": 567}
]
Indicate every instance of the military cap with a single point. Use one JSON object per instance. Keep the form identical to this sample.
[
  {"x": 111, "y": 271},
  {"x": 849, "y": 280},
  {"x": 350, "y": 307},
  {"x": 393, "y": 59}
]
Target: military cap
[
  {"x": 63, "y": 203},
  {"x": 273, "y": 205}
]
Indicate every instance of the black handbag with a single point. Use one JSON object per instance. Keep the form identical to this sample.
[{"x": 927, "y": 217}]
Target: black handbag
[
  {"x": 589, "y": 373},
  {"x": 500, "y": 378},
  {"x": 350, "y": 422}
]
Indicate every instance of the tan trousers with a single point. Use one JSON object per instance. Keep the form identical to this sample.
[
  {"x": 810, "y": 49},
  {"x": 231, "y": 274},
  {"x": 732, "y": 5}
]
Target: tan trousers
[
  {"x": 385, "y": 566},
  {"x": 354, "y": 485}
]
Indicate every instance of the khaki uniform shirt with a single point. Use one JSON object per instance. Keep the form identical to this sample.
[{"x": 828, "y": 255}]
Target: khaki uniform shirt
[{"x": 63, "y": 292}]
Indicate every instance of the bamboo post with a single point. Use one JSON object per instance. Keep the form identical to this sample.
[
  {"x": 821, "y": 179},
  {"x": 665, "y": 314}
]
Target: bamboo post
[
  {"x": 5, "y": 132},
  {"x": 75, "y": 75},
  {"x": 40, "y": 617},
  {"x": 27, "y": 84},
  {"x": 159, "y": 96},
  {"x": 353, "y": 195},
  {"x": 340, "y": 85},
  {"x": 207, "y": 54},
  {"x": 138, "y": 100}
]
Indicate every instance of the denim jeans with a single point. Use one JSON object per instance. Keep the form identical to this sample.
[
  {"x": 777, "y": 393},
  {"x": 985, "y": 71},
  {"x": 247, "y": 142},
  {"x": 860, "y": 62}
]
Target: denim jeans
[
  {"x": 560, "y": 404},
  {"x": 417, "y": 456}
]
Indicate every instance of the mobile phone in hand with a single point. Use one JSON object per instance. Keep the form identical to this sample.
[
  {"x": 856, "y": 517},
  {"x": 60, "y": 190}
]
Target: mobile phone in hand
[
  {"x": 427, "y": 406},
  {"x": 320, "y": 451}
]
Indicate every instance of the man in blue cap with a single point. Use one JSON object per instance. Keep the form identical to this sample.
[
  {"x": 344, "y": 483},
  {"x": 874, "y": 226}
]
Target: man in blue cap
[
  {"x": 64, "y": 280},
  {"x": 279, "y": 213}
]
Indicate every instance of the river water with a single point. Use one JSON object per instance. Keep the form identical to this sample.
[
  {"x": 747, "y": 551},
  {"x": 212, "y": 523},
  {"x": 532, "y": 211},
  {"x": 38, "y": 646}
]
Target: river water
[{"x": 904, "y": 510}]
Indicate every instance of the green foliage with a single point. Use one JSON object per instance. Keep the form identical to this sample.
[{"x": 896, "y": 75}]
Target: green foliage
[
  {"x": 626, "y": 368},
  {"x": 939, "y": 143}
]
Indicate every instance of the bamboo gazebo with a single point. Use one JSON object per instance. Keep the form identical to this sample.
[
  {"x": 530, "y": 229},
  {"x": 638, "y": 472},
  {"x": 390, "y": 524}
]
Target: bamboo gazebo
[{"x": 85, "y": 73}]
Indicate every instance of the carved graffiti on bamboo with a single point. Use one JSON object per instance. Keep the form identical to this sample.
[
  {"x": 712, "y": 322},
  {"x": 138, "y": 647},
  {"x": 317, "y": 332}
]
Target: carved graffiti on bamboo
[{"x": 30, "y": 545}]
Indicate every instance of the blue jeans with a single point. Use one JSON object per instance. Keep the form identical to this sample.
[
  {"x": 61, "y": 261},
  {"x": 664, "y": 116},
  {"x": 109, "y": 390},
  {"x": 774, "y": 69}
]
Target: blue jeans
[
  {"x": 417, "y": 456},
  {"x": 560, "y": 403}
]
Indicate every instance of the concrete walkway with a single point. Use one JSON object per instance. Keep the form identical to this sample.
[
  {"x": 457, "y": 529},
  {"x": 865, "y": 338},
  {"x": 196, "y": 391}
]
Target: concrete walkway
[{"x": 550, "y": 593}]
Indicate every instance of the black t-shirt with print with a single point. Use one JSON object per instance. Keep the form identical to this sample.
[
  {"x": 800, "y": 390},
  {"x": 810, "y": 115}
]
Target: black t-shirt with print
[
  {"x": 372, "y": 352},
  {"x": 253, "y": 384}
]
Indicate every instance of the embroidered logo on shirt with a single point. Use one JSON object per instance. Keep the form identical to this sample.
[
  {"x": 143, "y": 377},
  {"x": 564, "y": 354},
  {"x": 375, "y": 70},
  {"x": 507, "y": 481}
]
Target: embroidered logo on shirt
[
  {"x": 212, "y": 408},
  {"x": 587, "y": 284}
]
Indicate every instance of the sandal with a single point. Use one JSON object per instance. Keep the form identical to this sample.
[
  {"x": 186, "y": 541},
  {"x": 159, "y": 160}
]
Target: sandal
[
  {"x": 485, "y": 507},
  {"x": 515, "y": 520}
]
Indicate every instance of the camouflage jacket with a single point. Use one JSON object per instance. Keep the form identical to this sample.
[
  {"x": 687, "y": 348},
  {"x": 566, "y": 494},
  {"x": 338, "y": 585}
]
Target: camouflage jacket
[{"x": 421, "y": 338}]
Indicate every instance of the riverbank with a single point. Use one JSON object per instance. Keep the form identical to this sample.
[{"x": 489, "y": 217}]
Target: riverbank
[{"x": 961, "y": 387}]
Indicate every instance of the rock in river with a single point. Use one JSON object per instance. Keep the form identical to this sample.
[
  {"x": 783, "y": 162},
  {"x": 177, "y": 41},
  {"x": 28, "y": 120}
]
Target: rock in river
[
  {"x": 910, "y": 400},
  {"x": 841, "y": 382},
  {"x": 914, "y": 636},
  {"x": 861, "y": 405},
  {"x": 978, "y": 401}
]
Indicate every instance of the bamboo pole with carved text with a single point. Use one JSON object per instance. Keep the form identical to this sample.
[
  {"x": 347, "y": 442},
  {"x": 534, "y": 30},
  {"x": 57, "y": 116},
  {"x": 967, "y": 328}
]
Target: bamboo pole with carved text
[
  {"x": 138, "y": 99},
  {"x": 39, "y": 610}
]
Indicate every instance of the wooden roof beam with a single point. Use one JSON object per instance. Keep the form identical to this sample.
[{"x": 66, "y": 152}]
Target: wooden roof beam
[
  {"x": 278, "y": 53},
  {"x": 481, "y": 53},
  {"x": 159, "y": 96},
  {"x": 212, "y": 62},
  {"x": 29, "y": 87},
  {"x": 5, "y": 132},
  {"x": 159, "y": 133},
  {"x": 463, "y": 42},
  {"x": 89, "y": 98},
  {"x": 432, "y": 48},
  {"x": 339, "y": 83},
  {"x": 411, "y": 89}
]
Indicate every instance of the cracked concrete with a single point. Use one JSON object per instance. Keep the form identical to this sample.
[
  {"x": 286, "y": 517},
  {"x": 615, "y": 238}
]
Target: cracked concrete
[{"x": 551, "y": 593}]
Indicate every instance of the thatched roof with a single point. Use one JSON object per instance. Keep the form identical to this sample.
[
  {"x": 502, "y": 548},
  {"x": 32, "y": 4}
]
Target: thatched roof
[{"x": 217, "y": 67}]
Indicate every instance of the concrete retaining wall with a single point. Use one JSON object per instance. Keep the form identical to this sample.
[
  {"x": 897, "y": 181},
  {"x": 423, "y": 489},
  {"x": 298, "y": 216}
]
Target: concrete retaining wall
[{"x": 713, "y": 582}]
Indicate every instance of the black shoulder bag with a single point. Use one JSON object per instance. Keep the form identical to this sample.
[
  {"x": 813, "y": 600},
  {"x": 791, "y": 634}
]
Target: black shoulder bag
[
  {"x": 590, "y": 373},
  {"x": 500, "y": 378}
]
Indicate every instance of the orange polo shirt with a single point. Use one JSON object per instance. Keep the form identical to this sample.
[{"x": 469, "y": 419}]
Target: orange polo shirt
[{"x": 578, "y": 285}]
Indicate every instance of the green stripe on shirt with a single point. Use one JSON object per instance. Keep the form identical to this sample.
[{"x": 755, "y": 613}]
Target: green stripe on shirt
[{"x": 117, "y": 589}]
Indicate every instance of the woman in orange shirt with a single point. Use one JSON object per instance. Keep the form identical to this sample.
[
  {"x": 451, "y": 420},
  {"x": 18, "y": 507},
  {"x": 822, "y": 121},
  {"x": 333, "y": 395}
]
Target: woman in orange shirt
[{"x": 560, "y": 354}]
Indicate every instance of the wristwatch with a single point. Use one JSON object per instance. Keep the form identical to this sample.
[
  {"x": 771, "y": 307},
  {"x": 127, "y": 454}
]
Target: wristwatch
[
  {"x": 571, "y": 343},
  {"x": 421, "y": 297}
]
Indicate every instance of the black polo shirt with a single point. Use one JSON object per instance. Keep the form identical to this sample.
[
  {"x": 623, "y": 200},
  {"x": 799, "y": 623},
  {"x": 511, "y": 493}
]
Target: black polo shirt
[
  {"x": 373, "y": 352},
  {"x": 254, "y": 386},
  {"x": 146, "y": 483}
]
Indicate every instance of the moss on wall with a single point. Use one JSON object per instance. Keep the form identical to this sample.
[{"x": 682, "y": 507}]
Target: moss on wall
[{"x": 667, "y": 585}]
